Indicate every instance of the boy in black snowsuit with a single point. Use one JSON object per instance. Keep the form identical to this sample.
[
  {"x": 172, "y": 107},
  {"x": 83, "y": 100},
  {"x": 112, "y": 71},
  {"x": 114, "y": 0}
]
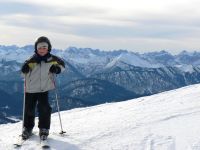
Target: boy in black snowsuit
[{"x": 39, "y": 73}]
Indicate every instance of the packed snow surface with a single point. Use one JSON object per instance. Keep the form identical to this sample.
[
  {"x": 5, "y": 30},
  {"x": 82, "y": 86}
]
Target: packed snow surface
[{"x": 165, "y": 121}]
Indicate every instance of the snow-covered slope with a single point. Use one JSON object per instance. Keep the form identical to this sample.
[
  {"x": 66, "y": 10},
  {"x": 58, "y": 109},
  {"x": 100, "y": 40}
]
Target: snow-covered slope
[
  {"x": 132, "y": 59},
  {"x": 166, "y": 121}
]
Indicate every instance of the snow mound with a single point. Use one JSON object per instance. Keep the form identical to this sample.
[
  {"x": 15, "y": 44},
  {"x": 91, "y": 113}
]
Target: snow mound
[{"x": 165, "y": 121}]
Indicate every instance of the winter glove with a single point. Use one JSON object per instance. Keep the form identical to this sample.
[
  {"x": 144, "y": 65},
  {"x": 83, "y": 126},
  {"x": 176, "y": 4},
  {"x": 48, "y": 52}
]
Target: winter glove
[
  {"x": 55, "y": 69},
  {"x": 25, "y": 68}
]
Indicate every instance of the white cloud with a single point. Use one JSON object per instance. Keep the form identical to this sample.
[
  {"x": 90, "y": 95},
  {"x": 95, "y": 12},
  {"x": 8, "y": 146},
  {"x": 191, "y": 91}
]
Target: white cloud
[{"x": 107, "y": 24}]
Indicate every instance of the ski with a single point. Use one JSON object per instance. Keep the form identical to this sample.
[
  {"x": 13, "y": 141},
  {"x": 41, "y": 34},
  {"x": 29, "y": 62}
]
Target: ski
[
  {"x": 44, "y": 144},
  {"x": 19, "y": 143}
]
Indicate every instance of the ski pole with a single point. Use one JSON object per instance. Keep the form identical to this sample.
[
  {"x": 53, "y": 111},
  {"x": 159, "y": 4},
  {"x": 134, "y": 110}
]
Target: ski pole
[
  {"x": 58, "y": 108},
  {"x": 24, "y": 104}
]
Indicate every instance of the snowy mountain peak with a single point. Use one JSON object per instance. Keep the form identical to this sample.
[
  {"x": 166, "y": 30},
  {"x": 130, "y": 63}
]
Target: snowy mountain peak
[
  {"x": 185, "y": 53},
  {"x": 159, "y": 53},
  {"x": 132, "y": 59},
  {"x": 165, "y": 121}
]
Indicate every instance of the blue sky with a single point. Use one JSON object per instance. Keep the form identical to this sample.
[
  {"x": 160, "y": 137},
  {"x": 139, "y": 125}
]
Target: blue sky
[{"x": 141, "y": 25}]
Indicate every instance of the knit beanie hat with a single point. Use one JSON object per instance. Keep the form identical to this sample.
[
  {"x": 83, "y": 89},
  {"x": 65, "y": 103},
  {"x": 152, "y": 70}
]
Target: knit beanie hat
[{"x": 41, "y": 42}]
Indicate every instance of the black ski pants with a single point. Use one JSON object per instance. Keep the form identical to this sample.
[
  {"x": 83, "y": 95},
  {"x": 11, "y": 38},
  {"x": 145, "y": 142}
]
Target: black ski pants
[{"x": 43, "y": 107}]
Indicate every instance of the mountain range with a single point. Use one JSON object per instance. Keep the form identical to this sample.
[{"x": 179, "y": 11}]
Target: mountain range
[{"x": 93, "y": 76}]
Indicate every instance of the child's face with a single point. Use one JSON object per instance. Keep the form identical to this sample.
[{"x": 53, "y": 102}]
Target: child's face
[{"x": 42, "y": 51}]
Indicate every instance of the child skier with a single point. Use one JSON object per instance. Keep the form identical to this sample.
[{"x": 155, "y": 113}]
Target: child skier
[{"x": 39, "y": 73}]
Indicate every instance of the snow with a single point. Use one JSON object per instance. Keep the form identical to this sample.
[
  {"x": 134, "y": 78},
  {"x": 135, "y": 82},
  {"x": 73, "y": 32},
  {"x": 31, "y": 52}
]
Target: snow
[
  {"x": 165, "y": 121},
  {"x": 132, "y": 59},
  {"x": 186, "y": 68}
]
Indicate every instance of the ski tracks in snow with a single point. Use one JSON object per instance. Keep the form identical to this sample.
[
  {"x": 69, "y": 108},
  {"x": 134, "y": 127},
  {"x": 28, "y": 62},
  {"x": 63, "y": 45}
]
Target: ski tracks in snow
[
  {"x": 155, "y": 142},
  {"x": 196, "y": 145}
]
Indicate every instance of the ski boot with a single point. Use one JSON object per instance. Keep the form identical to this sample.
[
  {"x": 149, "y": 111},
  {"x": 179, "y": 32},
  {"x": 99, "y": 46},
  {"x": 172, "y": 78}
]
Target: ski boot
[
  {"x": 43, "y": 134},
  {"x": 26, "y": 133}
]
